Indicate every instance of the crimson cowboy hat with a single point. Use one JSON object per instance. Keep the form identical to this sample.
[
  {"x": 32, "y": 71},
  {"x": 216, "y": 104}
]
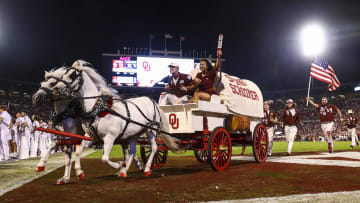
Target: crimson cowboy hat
[{"x": 173, "y": 65}]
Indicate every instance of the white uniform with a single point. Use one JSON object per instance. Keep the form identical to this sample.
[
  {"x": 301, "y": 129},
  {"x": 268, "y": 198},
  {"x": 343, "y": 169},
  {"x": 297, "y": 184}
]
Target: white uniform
[
  {"x": 43, "y": 143},
  {"x": 17, "y": 134},
  {"x": 24, "y": 151},
  {"x": 35, "y": 140},
  {"x": 5, "y": 134},
  {"x": 27, "y": 131}
]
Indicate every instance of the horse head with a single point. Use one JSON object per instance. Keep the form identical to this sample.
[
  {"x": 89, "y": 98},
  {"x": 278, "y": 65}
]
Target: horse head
[{"x": 45, "y": 95}]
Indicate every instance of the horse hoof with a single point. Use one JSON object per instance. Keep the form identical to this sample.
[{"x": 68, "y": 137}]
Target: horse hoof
[
  {"x": 81, "y": 176},
  {"x": 122, "y": 175},
  {"x": 60, "y": 182},
  {"x": 40, "y": 168},
  {"x": 147, "y": 173}
]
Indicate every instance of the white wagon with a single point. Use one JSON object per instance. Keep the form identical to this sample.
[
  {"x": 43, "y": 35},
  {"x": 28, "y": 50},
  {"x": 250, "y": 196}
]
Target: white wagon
[{"x": 212, "y": 128}]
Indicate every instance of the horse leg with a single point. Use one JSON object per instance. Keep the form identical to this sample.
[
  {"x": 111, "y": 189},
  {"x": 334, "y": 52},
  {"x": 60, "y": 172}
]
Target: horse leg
[
  {"x": 79, "y": 172},
  {"x": 125, "y": 150},
  {"x": 41, "y": 165},
  {"x": 132, "y": 154},
  {"x": 108, "y": 144},
  {"x": 151, "y": 137},
  {"x": 66, "y": 178},
  {"x": 138, "y": 163}
]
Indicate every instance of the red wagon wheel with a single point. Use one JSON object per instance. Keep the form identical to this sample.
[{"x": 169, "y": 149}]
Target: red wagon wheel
[
  {"x": 260, "y": 143},
  {"x": 219, "y": 149},
  {"x": 159, "y": 158},
  {"x": 201, "y": 155}
]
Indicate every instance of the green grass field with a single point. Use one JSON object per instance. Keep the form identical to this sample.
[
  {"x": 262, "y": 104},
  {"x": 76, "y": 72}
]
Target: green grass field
[{"x": 278, "y": 147}]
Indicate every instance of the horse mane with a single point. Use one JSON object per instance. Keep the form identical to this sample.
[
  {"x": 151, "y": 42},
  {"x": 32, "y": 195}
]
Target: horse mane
[
  {"x": 53, "y": 72},
  {"x": 99, "y": 80}
]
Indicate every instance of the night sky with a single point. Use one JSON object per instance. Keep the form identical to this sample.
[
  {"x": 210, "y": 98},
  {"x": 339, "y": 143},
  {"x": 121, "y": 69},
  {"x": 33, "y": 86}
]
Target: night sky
[{"x": 261, "y": 38}]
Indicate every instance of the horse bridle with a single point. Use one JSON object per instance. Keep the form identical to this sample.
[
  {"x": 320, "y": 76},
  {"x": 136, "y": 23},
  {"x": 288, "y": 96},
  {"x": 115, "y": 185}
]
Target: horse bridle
[
  {"x": 76, "y": 75},
  {"x": 68, "y": 90}
]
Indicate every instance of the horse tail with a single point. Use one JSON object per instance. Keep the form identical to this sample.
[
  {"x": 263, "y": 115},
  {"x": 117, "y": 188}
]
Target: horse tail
[{"x": 169, "y": 141}]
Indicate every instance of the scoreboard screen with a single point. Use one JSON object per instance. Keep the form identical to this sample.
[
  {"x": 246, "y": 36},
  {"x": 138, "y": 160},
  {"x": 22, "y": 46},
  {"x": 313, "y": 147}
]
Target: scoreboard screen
[{"x": 146, "y": 71}]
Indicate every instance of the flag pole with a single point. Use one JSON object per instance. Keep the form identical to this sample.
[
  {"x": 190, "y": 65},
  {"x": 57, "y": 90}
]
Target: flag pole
[
  {"x": 180, "y": 46},
  {"x": 308, "y": 93},
  {"x": 165, "y": 45},
  {"x": 150, "y": 42}
]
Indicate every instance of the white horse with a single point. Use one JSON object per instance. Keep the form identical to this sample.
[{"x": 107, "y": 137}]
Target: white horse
[
  {"x": 126, "y": 119},
  {"x": 69, "y": 124},
  {"x": 70, "y": 121}
]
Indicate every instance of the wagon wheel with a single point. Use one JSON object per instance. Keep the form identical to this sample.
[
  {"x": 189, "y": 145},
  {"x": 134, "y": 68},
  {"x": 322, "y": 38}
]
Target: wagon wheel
[
  {"x": 219, "y": 149},
  {"x": 201, "y": 155},
  {"x": 260, "y": 143},
  {"x": 159, "y": 158}
]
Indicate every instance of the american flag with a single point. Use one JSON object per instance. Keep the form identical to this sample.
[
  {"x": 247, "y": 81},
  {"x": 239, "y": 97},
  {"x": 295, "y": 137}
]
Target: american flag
[{"x": 322, "y": 71}]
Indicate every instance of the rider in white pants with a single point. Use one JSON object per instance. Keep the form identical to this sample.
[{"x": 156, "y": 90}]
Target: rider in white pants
[
  {"x": 290, "y": 118},
  {"x": 351, "y": 122}
]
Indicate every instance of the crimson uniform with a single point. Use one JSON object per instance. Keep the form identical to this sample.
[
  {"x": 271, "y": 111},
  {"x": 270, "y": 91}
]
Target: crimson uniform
[
  {"x": 326, "y": 113},
  {"x": 290, "y": 117},
  {"x": 269, "y": 115},
  {"x": 351, "y": 122},
  {"x": 175, "y": 94},
  {"x": 207, "y": 82},
  {"x": 176, "y": 83}
]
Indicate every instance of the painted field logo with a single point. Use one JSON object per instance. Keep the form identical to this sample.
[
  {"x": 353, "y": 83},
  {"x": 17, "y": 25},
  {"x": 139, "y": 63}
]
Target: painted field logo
[{"x": 173, "y": 121}]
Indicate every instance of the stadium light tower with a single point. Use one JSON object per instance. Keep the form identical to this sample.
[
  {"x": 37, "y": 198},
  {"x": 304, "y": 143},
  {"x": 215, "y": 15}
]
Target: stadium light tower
[
  {"x": 313, "y": 43},
  {"x": 313, "y": 40}
]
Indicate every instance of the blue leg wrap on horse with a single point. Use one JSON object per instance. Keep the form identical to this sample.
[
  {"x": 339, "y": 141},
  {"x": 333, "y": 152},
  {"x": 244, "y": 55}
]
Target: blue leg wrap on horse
[{"x": 133, "y": 146}]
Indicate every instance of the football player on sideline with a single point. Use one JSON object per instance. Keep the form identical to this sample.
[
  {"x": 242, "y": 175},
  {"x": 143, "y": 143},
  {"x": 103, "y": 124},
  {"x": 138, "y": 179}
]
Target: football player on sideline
[{"x": 326, "y": 113}]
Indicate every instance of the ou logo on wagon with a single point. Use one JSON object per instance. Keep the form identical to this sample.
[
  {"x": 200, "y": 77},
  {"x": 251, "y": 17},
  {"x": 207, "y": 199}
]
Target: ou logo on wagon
[{"x": 173, "y": 121}]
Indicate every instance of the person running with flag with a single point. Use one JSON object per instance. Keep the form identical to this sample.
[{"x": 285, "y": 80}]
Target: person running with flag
[{"x": 326, "y": 112}]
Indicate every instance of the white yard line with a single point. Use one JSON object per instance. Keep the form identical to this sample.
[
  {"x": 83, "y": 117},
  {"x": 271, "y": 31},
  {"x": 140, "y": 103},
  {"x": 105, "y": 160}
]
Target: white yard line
[
  {"x": 15, "y": 174},
  {"x": 313, "y": 159},
  {"x": 352, "y": 196}
]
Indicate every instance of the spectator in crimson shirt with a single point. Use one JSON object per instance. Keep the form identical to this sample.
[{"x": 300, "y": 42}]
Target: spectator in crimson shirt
[
  {"x": 326, "y": 112},
  {"x": 205, "y": 80},
  {"x": 176, "y": 87}
]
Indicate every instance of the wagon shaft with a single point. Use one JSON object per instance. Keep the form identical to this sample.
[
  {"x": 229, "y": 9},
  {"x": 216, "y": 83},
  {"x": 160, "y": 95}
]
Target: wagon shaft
[{"x": 64, "y": 134}]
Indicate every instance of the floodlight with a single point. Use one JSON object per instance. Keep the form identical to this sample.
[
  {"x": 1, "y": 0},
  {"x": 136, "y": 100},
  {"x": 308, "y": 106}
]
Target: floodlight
[{"x": 313, "y": 40}]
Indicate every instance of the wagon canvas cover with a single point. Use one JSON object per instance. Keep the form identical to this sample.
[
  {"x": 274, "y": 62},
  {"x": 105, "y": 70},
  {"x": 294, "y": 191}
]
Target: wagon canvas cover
[{"x": 241, "y": 96}]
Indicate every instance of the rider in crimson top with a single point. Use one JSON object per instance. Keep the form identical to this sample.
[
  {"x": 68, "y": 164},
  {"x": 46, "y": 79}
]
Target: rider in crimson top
[
  {"x": 177, "y": 91},
  {"x": 205, "y": 80},
  {"x": 326, "y": 113}
]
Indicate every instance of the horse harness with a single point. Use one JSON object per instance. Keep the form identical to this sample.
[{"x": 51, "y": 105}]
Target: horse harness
[{"x": 101, "y": 108}]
